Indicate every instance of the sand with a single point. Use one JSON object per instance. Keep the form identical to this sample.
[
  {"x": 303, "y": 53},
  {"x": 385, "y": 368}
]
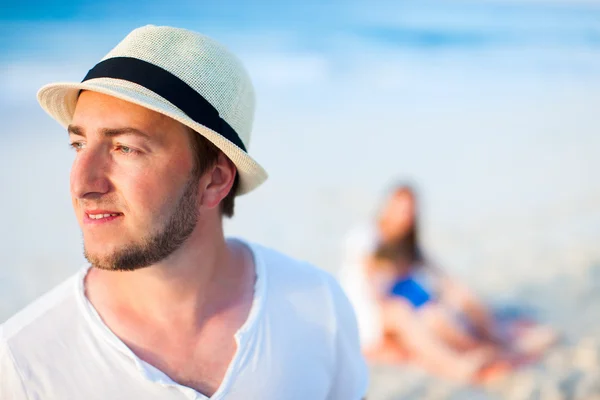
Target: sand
[{"x": 570, "y": 371}]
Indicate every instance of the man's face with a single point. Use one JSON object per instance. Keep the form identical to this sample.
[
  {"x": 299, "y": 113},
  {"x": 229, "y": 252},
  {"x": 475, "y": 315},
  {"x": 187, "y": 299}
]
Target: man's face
[{"x": 133, "y": 185}]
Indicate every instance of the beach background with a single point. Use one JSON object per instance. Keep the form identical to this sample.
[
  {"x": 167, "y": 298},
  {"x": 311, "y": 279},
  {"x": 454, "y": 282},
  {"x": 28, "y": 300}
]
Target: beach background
[{"x": 490, "y": 107}]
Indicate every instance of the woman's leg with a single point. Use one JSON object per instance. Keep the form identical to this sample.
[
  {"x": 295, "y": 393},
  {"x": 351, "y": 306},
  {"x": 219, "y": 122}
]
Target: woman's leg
[
  {"x": 427, "y": 348},
  {"x": 449, "y": 328},
  {"x": 389, "y": 350},
  {"x": 460, "y": 298}
]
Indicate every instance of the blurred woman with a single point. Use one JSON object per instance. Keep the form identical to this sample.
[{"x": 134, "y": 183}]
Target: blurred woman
[{"x": 408, "y": 308}]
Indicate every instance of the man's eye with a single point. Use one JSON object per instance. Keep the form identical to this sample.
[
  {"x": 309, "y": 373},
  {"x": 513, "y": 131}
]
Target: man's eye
[
  {"x": 126, "y": 149},
  {"x": 76, "y": 145}
]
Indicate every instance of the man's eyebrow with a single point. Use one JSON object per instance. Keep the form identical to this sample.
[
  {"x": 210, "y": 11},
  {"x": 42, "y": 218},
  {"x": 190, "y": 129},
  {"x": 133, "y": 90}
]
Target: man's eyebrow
[
  {"x": 109, "y": 132},
  {"x": 75, "y": 130},
  {"x": 112, "y": 132}
]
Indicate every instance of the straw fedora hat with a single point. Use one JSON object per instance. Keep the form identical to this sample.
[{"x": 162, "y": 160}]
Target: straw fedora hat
[{"x": 179, "y": 73}]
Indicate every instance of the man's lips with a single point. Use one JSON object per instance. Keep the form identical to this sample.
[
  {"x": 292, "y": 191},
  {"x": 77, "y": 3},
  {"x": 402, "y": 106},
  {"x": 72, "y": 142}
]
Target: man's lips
[{"x": 100, "y": 216}]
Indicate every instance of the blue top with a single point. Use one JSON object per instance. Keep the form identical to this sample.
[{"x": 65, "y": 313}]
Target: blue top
[{"x": 413, "y": 291}]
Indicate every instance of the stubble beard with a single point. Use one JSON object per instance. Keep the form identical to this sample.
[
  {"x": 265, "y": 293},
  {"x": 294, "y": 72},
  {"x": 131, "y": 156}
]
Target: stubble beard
[{"x": 155, "y": 248}]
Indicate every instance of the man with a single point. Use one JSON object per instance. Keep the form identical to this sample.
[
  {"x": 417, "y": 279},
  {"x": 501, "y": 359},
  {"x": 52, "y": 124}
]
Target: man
[{"x": 169, "y": 308}]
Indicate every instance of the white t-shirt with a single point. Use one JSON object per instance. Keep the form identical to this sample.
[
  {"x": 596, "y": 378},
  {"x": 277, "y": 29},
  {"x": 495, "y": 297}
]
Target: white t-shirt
[
  {"x": 300, "y": 341},
  {"x": 358, "y": 244}
]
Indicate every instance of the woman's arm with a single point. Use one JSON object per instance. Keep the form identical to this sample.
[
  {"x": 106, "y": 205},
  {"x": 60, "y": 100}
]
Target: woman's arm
[{"x": 426, "y": 346}]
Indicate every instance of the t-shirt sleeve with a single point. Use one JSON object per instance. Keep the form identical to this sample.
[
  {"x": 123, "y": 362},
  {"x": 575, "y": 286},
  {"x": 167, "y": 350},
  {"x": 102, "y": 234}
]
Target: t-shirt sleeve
[
  {"x": 351, "y": 376},
  {"x": 11, "y": 384}
]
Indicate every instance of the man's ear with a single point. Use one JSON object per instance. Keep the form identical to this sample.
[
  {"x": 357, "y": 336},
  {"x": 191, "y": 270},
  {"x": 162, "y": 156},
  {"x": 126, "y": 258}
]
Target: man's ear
[{"x": 219, "y": 180}]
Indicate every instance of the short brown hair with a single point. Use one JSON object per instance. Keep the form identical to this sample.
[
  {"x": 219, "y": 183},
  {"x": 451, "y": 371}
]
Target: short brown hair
[{"x": 206, "y": 155}]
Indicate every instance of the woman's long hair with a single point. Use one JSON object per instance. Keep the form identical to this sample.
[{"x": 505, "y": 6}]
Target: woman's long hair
[{"x": 403, "y": 249}]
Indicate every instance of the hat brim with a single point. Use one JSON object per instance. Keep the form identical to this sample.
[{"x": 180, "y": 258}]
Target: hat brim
[{"x": 59, "y": 100}]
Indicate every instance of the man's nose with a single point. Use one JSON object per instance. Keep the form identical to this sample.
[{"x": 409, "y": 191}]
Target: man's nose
[{"x": 89, "y": 174}]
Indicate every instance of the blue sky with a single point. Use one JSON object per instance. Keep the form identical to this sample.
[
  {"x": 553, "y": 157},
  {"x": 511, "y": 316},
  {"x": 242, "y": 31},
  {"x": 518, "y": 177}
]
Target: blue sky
[{"x": 34, "y": 28}]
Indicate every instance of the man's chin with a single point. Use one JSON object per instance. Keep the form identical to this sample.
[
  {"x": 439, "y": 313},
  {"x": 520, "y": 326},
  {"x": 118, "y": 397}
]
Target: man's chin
[
  {"x": 105, "y": 260},
  {"x": 124, "y": 258},
  {"x": 110, "y": 264}
]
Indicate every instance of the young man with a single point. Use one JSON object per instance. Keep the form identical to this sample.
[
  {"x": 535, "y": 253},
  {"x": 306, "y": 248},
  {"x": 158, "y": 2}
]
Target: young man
[{"x": 169, "y": 308}]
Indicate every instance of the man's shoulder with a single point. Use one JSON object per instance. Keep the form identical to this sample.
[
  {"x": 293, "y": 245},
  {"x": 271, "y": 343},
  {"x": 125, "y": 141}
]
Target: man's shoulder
[
  {"x": 43, "y": 314},
  {"x": 301, "y": 292},
  {"x": 289, "y": 276},
  {"x": 285, "y": 268}
]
